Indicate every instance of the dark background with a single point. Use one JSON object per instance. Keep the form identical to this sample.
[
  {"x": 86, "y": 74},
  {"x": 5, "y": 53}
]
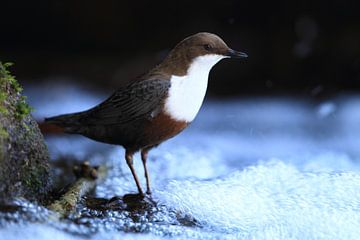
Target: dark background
[{"x": 306, "y": 47}]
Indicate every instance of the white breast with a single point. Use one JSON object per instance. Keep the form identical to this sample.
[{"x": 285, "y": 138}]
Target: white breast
[{"x": 187, "y": 93}]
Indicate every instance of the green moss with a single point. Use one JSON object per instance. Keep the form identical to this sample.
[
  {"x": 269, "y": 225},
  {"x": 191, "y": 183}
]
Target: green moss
[
  {"x": 22, "y": 108},
  {"x": 3, "y": 96},
  {"x": 4, "y": 136},
  {"x": 32, "y": 178},
  {"x": 3, "y": 133},
  {"x": 6, "y": 79},
  {"x": 4, "y": 74}
]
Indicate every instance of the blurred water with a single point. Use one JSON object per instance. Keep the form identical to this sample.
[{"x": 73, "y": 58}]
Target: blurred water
[{"x": 259, "y": 168}]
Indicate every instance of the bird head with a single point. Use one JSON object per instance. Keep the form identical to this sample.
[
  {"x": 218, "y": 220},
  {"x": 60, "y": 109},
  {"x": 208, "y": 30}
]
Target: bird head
[{"x": 203, "y": 47}]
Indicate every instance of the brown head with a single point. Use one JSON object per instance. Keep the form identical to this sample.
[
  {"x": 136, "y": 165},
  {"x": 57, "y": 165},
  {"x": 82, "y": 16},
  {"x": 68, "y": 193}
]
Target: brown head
[{"x": 197, "y": 45}]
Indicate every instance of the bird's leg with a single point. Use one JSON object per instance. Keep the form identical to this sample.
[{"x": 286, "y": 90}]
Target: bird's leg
[
  {"x": 129, "y": 161},
  {"x": 144, "y": 155}
]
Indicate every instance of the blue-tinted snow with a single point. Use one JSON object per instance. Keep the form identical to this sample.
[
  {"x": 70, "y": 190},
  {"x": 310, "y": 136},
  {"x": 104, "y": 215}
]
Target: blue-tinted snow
[{"x": 256, "y": 168}]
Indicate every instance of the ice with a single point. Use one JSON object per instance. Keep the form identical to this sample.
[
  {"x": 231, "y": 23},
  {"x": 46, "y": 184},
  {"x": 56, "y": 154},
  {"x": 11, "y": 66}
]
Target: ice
[
  {"x": 254, "y": 168},
  {"x": 41, "y": 231},
  {"x": 273, "y": 201}
]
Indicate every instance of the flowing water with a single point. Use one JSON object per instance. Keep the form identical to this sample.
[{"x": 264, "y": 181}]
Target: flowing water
[{"x": 256, "y": 168}]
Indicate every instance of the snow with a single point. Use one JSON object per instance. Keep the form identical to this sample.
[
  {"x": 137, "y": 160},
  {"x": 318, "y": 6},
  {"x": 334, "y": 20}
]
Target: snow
[
  {"x": 273, "y": 200},
  {"x": 255, "y": 168}
]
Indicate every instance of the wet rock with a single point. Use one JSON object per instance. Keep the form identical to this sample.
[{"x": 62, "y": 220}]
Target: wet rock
[
  {"x": 133, "y": 203},
  {"x": 9, "y": 208},
  {"x": 139, "y": 210},
  {"x": 24, "y": 167}
]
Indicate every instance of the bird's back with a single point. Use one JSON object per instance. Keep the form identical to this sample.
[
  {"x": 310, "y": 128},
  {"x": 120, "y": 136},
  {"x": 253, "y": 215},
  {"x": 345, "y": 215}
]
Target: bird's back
[{"x": 122, "y": 118}]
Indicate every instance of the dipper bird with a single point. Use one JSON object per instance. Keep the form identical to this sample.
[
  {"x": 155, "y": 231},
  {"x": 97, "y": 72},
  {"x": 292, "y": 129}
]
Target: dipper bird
[{"x": 156, "y": 106}]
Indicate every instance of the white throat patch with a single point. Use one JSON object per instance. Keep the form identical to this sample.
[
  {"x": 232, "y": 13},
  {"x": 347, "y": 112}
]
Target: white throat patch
[{"x": 187, "y": 93}]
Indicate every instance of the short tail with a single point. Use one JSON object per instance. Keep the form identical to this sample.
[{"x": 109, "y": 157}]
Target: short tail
[{"x": 69, "y": 122}]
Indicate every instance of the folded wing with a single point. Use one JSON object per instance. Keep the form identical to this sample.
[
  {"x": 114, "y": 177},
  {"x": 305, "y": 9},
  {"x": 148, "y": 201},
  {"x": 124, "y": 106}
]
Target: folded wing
[{"x": 138, "y": 100}]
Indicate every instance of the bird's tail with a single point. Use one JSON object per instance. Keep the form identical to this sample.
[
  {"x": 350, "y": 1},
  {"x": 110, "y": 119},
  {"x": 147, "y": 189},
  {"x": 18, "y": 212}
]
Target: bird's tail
[{"x": 69, "y": 122}]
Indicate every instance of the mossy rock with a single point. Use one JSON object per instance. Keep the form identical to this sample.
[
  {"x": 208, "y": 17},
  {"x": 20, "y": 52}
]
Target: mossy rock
[{"x": 24, "y": 159}]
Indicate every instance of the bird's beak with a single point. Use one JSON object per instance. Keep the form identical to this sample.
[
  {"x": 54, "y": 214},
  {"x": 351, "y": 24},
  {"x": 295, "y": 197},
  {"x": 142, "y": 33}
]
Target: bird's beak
[{"x": 235, "y": 54}]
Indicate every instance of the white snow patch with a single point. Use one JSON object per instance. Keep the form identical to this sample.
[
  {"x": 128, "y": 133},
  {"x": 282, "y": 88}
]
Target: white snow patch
[
  {"x": 45, "y": 232},
  {"x": 273, "y": 201}
]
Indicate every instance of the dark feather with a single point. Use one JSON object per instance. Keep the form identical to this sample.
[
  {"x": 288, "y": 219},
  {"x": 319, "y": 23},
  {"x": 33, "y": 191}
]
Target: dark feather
[
  {"x": 138, "y": 100},
  {"x": 70, "y": 122}
]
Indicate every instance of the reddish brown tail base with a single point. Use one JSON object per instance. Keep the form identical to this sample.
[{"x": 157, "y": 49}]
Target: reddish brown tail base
[{"x": 47, "y": 128}]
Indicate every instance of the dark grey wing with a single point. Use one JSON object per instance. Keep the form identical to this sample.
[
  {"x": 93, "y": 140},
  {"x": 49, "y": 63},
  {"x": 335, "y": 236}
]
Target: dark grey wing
[{"x": 138, "y": 100}]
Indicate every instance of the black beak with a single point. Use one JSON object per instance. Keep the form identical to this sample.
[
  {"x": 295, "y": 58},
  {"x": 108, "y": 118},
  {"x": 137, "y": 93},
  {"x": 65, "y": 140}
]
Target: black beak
[{"x": 234, "y": 54}]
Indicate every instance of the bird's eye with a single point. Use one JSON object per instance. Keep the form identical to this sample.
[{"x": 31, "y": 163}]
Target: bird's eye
[{"x": 207, "y": 47}]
